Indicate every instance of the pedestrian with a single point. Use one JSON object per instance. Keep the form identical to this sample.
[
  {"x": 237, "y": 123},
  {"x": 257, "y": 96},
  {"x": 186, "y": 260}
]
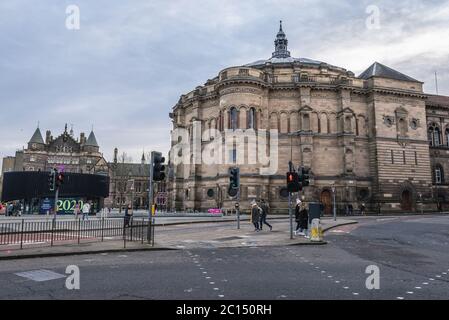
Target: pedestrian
[
  {"x": 362, "y": 209},
  {"x": 128, "y": 215},
  {"x": 304, "y": 220},
  {"x": 255, "y": 215},
  {"x": 351, "y": 209},
  {"x": 86, "y": 210},
  {"x": 76, "y": 211},
  {"x": 298, "y": 208},
  {"x": 263, "y": 217}
]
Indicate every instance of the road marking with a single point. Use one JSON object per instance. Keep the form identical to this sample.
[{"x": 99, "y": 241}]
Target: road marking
[
  {"x": 425, "y": 283},
  {"x": 211, "y": 282},
  {"x": 336, "y": 281},
  {"x": 221, "y": 296},
  {"x": 40, "y": 275},
  {"x": 329, "y": 276},
  {"x": 418, "y": 288},
  {"x": 400, "y": 298},
  {"x": 346, "y": 288},
  {"x": 409, "y": 292},
  {"x": 216, "y": 289},
  {"x": 444, "y": 273},
  {"x": 207, "y": 277},
  {"x": 431, "y": 279},
  {"x": 205, "y": 272},
  {"x": 355, "y": 293},
  {"x": 438, "y": 276}
]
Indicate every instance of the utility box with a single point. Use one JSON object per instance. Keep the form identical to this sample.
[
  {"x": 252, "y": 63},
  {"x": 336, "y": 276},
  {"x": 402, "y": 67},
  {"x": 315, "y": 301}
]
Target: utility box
[{"x": 315, "y": 211}]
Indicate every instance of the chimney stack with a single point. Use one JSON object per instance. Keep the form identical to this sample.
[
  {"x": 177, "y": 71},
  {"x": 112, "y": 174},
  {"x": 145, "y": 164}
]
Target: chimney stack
[
  {"x": 48, "y": 137},
  {"x": 115, "y": 155},
  {"x": 82, "y": 138}
]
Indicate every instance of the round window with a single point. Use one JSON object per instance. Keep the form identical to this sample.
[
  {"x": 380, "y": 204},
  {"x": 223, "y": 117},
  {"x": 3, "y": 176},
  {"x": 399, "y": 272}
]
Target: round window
[{"x": 210, "y": 193}]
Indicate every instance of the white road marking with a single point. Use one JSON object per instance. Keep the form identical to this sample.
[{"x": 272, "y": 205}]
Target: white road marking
[
  {"x": 346, "y": 288},
  {"x": 400, "y": 298},
  {"x": 425, "y": 283},
  {"x": 211, "y": 282},
  {"x": 355, "y": 293},
  {"x": 221, "y": 296},
  {"x": 40, "y": 275},
  {"x": 418, "y": 288},
  {"x": 337, "y": 281},
  {"x": 409, "y": 292},
  {"x": 216, "y": 289}
]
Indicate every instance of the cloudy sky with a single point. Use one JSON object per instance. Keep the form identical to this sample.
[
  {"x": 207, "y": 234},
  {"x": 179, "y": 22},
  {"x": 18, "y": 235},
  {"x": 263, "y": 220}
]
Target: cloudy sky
[{"x": 129, "y": 62}]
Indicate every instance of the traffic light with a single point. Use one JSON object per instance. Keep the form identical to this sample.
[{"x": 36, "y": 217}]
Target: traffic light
[
  {"x": 59, "y": 179},
  {"x": 293, "y": 183},
  {"x": 158, "y": 166},
  {"x": 234, "y": 181},
  {"x": 51, "y": 180},
  {"x": 305, "y": 176}
]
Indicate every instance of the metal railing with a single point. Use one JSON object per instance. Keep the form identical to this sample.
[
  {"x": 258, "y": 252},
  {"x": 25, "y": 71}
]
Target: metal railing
[{"x": 54, "y": 232}]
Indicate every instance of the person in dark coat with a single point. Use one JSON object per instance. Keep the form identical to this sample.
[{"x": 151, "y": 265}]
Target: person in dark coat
[
  {"x": 263, "y": 217},
  {"x": 304, "y": 220},
  {"x": 298, "y": 208},
  {"x": 255, "y": 215},
  {"x": 128, "y": 215}
]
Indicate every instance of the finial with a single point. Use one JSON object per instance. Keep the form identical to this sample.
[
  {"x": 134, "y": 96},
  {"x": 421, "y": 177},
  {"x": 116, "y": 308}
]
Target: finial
[
  {"x": 280, "y": 25},
  {"x": 65, "y": 128},
  {"x": 38, "y": 124}
]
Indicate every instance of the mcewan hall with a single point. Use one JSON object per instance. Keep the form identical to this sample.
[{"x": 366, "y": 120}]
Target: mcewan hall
[{"x": 375, "y": 139}]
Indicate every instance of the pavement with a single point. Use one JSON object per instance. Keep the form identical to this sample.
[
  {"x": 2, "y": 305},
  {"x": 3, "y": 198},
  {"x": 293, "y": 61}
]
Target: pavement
[{"x": 175, "y": 234}]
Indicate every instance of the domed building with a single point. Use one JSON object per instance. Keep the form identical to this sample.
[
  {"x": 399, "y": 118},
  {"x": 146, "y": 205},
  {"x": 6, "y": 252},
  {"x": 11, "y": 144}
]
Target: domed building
[{"x": 363, "y": 137}]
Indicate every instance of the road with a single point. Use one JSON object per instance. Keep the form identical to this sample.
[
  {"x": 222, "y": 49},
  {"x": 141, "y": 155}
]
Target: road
[{"x": 411, "y": 253}]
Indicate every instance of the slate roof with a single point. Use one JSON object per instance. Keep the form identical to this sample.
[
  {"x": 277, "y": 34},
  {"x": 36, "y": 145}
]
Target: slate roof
[
  {"x": 131, "y": 169},
  {"x": 379, "y": 70},
  {"x": 91, "y": 140},
  {"x": 37, "y": 137}
]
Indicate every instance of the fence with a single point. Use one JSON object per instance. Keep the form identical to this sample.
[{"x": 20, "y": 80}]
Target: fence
[{"x": 53, "y": 232}]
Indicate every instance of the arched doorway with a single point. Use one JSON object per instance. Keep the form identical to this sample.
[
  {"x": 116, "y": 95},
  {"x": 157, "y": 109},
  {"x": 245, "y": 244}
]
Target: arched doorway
[
  {"x": 406, "y": 200},
  {"x": 326, "y": 200}
]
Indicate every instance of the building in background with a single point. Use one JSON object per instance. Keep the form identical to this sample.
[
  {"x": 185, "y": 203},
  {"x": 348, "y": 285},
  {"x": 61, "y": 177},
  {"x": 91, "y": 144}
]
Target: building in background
[{"x": 366, "y": 137}]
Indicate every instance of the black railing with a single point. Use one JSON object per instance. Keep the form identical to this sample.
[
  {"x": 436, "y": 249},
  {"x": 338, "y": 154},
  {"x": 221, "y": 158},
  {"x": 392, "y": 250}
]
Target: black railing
[{"x": 53, "y": 232}]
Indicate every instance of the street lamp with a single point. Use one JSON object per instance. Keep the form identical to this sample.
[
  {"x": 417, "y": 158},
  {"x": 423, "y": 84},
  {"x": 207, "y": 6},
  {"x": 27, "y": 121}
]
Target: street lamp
[
  {"x": 420, "y": 200},
  {"x": 335, "y": 208}
]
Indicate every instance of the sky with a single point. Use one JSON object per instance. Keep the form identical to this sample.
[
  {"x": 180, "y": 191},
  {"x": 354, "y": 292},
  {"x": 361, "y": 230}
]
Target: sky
[{"x": 128, "y": 63}]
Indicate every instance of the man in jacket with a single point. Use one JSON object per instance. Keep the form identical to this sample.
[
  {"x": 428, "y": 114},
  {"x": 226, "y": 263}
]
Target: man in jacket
[
  {"x": 255, "y": 215},
  {"x": 263, "y": 217}
]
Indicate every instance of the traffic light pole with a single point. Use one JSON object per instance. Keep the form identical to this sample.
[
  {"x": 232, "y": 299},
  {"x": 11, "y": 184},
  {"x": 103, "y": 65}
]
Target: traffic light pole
[
  {"x": 150, "y": 188},
  {"x": 290, "y": 168},
  {"x": 238, "y": 209},
  {"x": 56, "y": 204}
]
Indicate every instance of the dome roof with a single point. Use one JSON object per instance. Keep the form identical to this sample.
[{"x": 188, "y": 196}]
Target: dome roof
[
  {"x": 281, "y": 55},
  {"x": 275, "y": 60}
]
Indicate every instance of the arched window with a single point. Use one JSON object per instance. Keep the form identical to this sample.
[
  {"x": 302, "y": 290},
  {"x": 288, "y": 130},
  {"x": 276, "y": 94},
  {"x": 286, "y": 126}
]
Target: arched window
[
  {"x": 220, "y": 122},
  {"x": 251, "y": 118},
  {"x": 434, "y": 135},
  {"x": 233, "y": 118},
  {"x": 439, "y": 174},
  {"x": 447, "y": 136}
]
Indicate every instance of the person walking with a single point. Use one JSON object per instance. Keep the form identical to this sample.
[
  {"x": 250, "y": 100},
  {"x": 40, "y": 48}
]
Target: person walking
[
  {"x": 128, "y": 215},
  {"x": 86, "y": 210},
  {"x": 362, "y": 209},
  {"x": 298, "y": 208},
  {"x": 76, "y": 211},
  {"x": 255, "y": 215},
  {"x": 304, "y": 220},
  {"x": 263, "y": 217}
]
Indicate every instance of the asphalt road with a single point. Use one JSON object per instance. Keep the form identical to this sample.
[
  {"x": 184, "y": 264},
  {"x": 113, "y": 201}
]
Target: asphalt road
[{"x": 411, "y": 253}]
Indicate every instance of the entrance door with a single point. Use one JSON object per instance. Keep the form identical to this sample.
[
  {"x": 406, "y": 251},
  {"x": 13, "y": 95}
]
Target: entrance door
[
  {"x": 326, "y": 200},
  {"x": 406, "y": 200}
]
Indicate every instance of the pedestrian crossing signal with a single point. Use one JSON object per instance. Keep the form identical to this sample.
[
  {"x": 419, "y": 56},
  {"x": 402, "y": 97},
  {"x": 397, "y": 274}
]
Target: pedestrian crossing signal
[{"x": 293, "y": 184}]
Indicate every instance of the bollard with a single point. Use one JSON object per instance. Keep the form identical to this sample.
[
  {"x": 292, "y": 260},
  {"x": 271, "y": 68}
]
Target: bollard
[{"x": 316, "y": 233}]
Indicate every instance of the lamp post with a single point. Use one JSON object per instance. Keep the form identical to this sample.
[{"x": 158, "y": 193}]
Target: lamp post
[{"x": 335, "y": 208}]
